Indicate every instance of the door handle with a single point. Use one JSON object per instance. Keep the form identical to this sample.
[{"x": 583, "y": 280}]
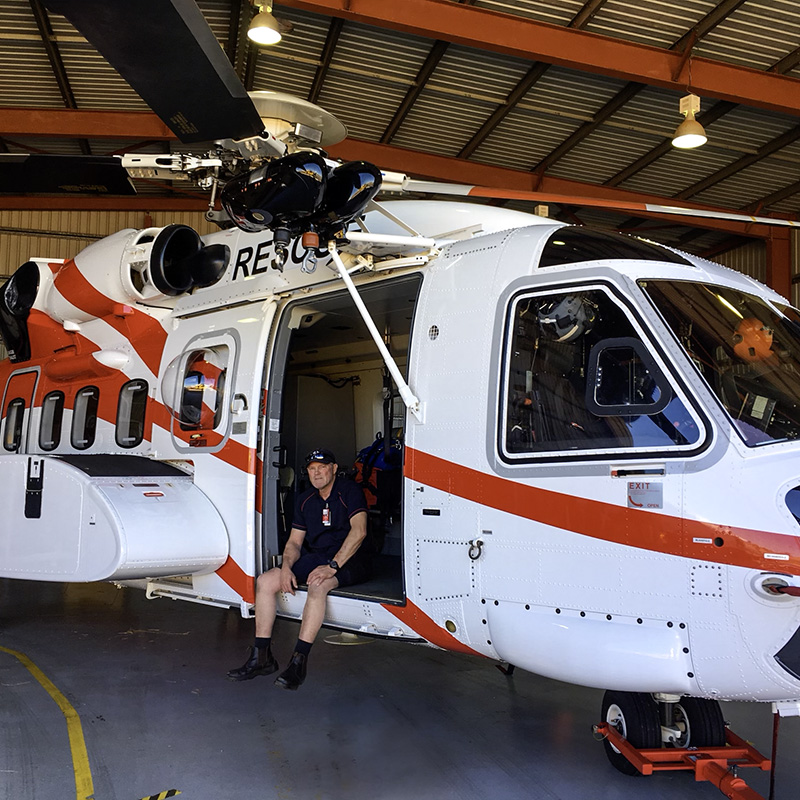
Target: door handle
[
  {"x": 281, "y": 451},
  {"x": 34, "y": 484}
]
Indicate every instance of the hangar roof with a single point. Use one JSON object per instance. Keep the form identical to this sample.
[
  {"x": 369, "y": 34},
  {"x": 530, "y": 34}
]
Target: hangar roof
[{"x": 576, "y": 97}]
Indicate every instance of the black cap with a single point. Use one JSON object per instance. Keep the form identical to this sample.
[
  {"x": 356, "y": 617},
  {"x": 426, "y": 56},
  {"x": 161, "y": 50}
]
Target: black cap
[{"x": 320, "y": 457}]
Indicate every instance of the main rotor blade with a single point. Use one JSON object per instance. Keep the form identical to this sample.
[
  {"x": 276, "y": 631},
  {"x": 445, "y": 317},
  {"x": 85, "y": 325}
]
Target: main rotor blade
[
  {"x": 53, "y": 174},
  {"x": 165, "y": 50},
  {"x": 405, "y": 184}
]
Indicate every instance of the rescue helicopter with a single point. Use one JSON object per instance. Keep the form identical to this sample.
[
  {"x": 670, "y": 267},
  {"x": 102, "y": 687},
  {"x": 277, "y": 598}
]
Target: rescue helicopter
[{"x": 581, "y": 448}]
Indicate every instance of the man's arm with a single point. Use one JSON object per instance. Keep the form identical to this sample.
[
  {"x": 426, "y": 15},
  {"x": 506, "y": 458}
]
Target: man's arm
[
  {"x": 357, "y": 534},
  {"x": 290, "y": 555}
]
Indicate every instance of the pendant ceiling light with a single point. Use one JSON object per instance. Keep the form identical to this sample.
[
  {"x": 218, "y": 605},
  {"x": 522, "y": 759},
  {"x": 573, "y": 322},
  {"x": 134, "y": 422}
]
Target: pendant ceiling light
[
  {"x": 264, "y": 29},
  {"x": 690, "y": 132}
]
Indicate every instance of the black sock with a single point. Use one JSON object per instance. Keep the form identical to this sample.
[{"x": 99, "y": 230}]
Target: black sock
[
  {"x": 263, "y": 642},
  {"x": 303, "y": 647}
]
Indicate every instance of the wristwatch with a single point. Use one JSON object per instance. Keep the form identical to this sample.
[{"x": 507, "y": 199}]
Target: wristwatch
[{"x": 334, "y": 565}]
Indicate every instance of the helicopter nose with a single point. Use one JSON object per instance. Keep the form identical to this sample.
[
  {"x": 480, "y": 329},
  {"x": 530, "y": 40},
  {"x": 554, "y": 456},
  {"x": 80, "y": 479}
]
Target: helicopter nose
[{"x": 789, "y": 655}]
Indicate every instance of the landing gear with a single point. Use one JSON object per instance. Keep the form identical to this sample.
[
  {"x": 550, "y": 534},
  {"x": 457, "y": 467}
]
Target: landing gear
[
  {"x": 649, "y": 721},
  {"x": 645, "y": 733},
  {"x": 699, "y": 723},
  {"x": 634, "y": 715}
]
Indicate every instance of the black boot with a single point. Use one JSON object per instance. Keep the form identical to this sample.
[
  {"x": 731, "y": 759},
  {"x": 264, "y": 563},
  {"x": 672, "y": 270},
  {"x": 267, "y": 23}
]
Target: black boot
[
  {"x": 260, "y": 661},
  {"x": 294, "y": 674}
]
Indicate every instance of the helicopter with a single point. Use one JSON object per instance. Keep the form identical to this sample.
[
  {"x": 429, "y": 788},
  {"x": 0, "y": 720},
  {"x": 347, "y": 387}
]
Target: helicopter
[{"x": 546, "y": 415}]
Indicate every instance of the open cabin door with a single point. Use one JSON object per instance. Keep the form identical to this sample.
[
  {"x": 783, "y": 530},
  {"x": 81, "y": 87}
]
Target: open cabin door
[{"x": 328, "y": 388}]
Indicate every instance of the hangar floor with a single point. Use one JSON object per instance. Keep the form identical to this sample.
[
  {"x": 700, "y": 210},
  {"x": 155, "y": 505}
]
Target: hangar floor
[{"x": 382, "y": 720}]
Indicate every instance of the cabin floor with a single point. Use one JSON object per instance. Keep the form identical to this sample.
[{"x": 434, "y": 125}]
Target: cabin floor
[{"x": 377, "y": 720}]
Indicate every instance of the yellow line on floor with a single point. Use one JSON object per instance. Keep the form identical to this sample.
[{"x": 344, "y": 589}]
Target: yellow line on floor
[{"x": 84, "y": 788}]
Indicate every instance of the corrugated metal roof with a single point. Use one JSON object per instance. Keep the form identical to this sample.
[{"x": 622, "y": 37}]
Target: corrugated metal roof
[
  {"x": 758, "y": 34},
  {"x": 290, "y": 65},
  {"x": 651, "y": 22},
  {"x": 557, "y": 12}
]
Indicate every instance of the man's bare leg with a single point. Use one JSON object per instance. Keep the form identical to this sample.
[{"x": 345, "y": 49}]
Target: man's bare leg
[
  {"x": 314, "y": 612},
  {"x": 260, "y": 660},
  {"x": 267, "y": 587},
  {"x": 313, "y": 615}
]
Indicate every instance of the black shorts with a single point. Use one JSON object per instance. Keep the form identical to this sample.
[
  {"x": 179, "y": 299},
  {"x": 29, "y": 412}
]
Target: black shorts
[{"x": 357, "y": 570}]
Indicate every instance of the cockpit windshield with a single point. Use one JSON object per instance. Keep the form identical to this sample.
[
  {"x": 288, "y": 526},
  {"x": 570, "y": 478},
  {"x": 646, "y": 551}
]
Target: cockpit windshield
[{"x": 746, "y": 348}]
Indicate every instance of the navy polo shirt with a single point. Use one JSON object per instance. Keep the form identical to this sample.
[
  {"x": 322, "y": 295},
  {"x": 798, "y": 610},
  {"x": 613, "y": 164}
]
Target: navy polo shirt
[{"x": 345, "y": 500}]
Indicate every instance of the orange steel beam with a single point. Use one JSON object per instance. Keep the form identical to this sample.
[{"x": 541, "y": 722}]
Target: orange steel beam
[
  {"x": 456, "y": 170},
  {"x": 779, "y": 261},
  {"x": 66, "y": 123},
  {"x": 567, "y": 47},
  {"x": 144, "y": 125},
  {"x": 67, "y": 202}
]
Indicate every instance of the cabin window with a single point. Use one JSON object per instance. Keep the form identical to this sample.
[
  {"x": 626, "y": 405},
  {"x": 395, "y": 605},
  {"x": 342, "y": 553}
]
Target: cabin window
[
  {"x": 130, "y": 413},
  {"x": 15, "y": 414},
  {"x": 52, "y": 416},
  {"x": 84, "y": 417},
  {"x": 202, "y": 390},
  {"x": 579, "y": 377}
]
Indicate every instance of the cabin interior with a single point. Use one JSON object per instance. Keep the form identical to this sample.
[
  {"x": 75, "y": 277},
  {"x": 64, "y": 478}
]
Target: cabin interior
[{"x": 331, "y": 389}]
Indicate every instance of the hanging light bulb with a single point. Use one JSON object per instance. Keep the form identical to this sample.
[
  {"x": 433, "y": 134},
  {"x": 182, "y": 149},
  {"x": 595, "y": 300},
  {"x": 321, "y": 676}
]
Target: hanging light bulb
[
  {"x": 690, "y": 133},
  {"x": 264, "y": 28}
]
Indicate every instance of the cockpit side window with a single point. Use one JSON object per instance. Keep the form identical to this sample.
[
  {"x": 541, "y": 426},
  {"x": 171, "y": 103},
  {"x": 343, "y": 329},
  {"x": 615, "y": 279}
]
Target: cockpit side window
[
  {"x": 746, "y": 348},
  {"x": 579, "y": 377}
]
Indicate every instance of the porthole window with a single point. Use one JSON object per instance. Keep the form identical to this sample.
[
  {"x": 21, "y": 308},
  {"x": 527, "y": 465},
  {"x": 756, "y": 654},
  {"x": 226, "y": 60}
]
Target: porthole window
[
  {"x": 15, "y": 414},
  {"x": 84, "y": 417},
  {"x": 194, "y": 386},
  {"x": 203, "y": 389},
  {"x": 52, "y": 416},
  {"x": 130, "y": 413}
]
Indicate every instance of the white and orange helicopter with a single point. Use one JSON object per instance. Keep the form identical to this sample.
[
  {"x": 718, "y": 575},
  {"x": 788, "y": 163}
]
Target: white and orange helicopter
[{"x": 588, "y": 452}]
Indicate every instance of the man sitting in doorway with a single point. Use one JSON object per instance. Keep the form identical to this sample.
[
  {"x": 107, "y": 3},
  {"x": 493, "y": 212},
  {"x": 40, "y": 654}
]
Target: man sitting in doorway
[{"x": 330, "y": 524}]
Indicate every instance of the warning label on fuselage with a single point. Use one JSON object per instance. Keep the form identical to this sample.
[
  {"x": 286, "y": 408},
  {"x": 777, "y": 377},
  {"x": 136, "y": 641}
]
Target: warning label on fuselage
[{"x": 645, "y": 494}]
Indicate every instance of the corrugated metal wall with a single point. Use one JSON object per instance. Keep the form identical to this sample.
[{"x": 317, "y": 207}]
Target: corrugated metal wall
[
  {"x": 750, "y": 259},
  {"x": 58, "y": 234}
]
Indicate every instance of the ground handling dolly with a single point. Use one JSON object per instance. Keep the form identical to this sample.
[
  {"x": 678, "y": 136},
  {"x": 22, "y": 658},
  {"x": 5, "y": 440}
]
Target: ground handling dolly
[{"x": 717, "y": 765}]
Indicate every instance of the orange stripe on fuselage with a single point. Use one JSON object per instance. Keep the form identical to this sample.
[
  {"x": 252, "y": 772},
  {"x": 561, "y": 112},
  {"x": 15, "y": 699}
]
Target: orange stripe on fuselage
[
  {"x": 241, "y": 583},
  {"x": 645, "y": 530},
  {"x": 234, "y": 453},
  {"x": 145, "y": 333},
  {"x": 421, "y": 623}
]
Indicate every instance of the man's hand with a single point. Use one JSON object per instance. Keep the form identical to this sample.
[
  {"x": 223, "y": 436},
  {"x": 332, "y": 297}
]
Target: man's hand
[
  {"x": 288, "y": 580},
  {"x": 321, "y": 574}
]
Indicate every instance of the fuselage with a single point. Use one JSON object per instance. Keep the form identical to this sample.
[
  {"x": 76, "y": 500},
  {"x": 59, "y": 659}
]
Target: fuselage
[{"x": 599, "y": 487}]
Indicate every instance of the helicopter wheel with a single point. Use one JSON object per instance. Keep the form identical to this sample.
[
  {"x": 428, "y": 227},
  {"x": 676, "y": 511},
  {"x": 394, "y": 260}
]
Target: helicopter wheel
[
  {"x": 635, "y": 716},
  {"x": 700, "y": 722}
]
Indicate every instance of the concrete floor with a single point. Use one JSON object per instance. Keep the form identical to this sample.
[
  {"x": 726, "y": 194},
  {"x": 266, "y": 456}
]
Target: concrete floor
[{"x": 383, "y": 720}]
